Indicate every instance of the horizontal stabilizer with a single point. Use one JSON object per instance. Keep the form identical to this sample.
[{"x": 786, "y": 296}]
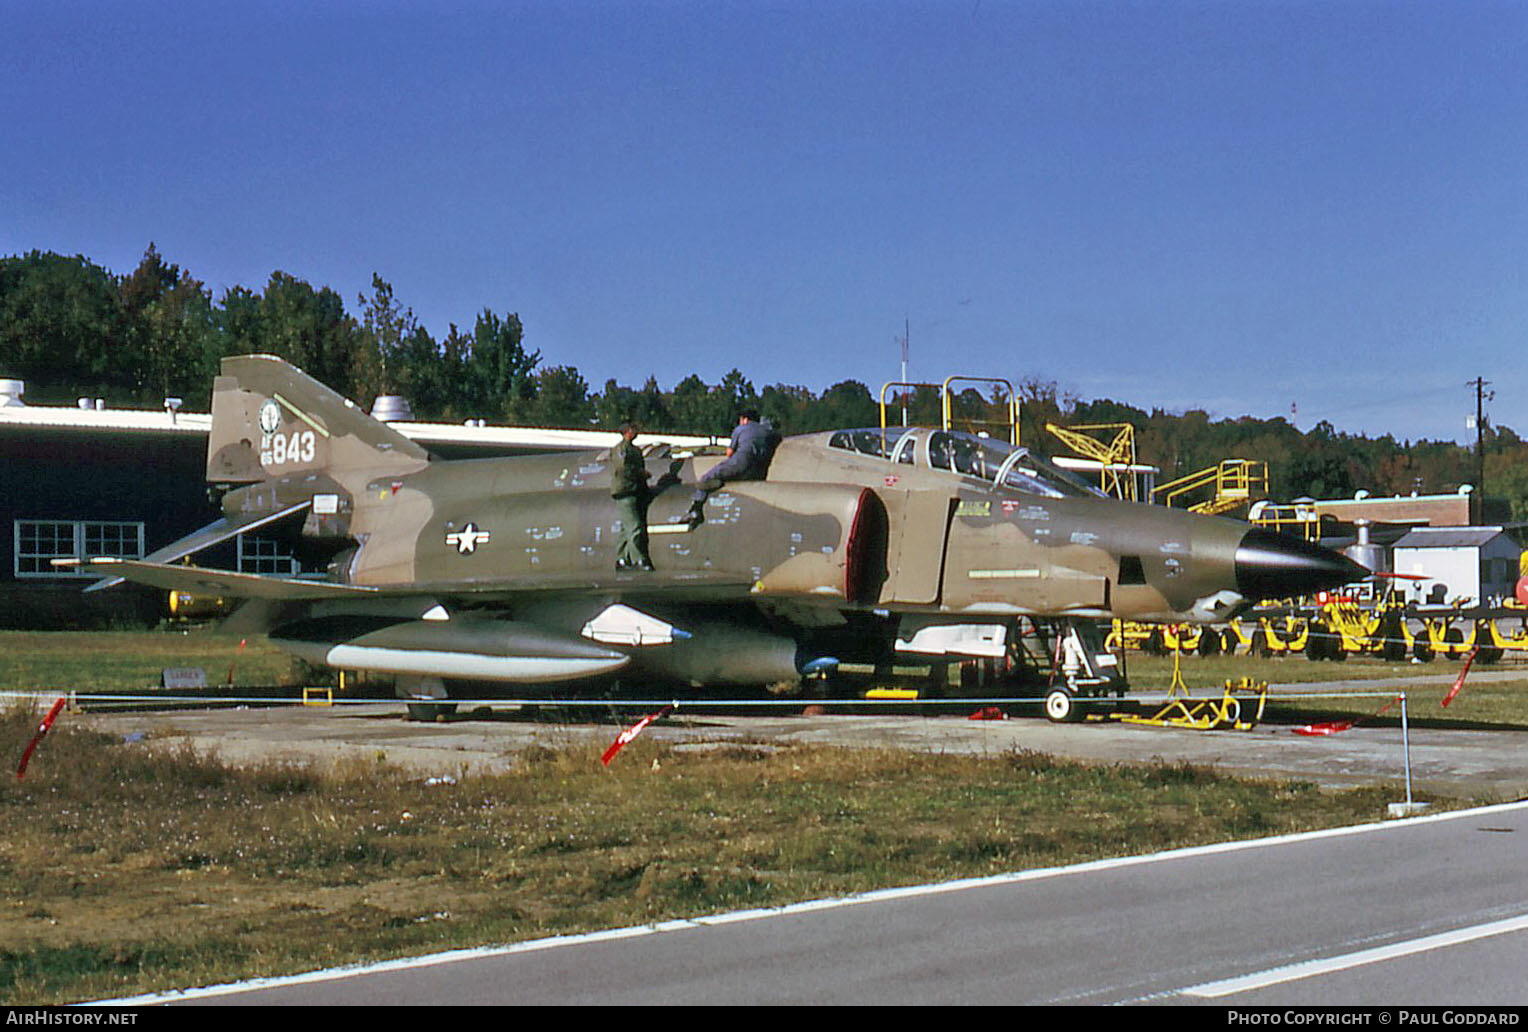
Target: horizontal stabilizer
[
  {"x": 222, "y": 583},
  {"x": 214, "y": 533}
]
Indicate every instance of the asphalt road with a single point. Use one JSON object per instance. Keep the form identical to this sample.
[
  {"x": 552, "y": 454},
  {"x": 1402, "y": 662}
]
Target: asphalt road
[{"x": 1426, "y": 911}]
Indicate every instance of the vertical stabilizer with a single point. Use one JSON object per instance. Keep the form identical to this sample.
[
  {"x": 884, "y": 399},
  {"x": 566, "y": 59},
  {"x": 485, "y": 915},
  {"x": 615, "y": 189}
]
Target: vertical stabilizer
[{"x": 270, "y": 419}]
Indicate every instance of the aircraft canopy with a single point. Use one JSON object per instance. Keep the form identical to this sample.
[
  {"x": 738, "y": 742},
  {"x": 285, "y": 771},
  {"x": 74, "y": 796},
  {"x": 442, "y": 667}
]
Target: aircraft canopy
[{"x": 966, "y": 454}]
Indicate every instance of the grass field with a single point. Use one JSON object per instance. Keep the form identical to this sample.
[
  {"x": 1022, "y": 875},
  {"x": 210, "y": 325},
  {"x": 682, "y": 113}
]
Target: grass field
[
  {"x": 103, "y": 661},
  {"x": 127, "y": 869}
]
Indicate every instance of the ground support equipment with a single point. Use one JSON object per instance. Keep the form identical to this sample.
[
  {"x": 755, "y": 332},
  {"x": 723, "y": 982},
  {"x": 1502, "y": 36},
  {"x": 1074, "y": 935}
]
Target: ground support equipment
[{"x": 1225, "y": 713}]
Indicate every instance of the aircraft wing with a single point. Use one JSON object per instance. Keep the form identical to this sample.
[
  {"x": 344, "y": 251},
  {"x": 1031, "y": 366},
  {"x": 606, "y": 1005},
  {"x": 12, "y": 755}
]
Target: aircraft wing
[
  {"x": 686, "y": 586},
  {"x": 214, "y": 533}
]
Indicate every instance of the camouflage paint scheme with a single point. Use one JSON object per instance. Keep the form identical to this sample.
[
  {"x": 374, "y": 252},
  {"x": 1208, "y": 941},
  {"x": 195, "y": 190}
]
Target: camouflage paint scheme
[{"x": 503, "y": 569}]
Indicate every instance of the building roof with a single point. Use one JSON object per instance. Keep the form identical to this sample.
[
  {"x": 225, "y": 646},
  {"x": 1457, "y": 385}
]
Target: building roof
[
  {"x": 1437, "y": 510},
  {"x": 1449, "y": 537},
  {"x": 136, "y": 420},
  {"x": 200, "y": 423}
]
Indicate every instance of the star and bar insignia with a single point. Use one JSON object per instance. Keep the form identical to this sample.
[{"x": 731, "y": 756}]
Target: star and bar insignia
[{"x": 466, "y": 540}]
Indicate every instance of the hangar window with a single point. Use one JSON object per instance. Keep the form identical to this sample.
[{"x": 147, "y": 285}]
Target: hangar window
[
  {"x": 39, "y": 542},
  {"x": 265, "y": 556}
]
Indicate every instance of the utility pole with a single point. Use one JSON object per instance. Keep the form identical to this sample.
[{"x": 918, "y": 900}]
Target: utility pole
[{"x": 1478, "y": 497}]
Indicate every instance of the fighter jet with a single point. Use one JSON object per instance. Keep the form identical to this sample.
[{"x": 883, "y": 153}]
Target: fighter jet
[{"x": 856, "y": 545}]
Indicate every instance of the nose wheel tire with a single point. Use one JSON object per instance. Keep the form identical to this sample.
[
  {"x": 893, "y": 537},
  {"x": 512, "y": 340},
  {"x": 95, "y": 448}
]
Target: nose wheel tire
[{"x": 1061, "y": 707}]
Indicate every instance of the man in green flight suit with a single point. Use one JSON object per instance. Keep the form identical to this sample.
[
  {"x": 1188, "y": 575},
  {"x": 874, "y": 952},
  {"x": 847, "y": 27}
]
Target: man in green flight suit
[{"x": 628, "y": 486}]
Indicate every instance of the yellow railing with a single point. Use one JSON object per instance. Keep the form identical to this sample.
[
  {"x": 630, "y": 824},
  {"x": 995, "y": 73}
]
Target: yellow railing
[
  {"x": 1298, "y": 520},
  {"x": 1008, "y": 424},
  {"x": 1234, "y": 482}
]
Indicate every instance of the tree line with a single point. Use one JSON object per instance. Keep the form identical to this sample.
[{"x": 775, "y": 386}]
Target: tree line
[{"x": 69, "y": 327}]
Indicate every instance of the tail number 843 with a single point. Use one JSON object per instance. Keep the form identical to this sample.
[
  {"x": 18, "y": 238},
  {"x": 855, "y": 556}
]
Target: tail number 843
[{"x": 282, "y": 449}]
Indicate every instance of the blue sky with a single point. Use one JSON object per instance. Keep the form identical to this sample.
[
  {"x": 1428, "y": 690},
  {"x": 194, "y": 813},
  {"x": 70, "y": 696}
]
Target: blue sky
[{"x": 1317, "y": 209}]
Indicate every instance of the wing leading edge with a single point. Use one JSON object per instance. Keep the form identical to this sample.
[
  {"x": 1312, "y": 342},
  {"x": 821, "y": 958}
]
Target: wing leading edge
[{"x": 227, "y": 583}]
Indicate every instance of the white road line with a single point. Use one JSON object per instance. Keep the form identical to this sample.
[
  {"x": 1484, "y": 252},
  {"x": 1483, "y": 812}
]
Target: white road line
[
  {"x": 882, "y": 895},
  {"x": 1315, "y": 968}
]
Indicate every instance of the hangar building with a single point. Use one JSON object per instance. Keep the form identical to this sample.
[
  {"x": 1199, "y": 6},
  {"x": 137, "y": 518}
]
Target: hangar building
[
  {"x": 90, "y": 481},
  {"x": 1472, "y": 565}
]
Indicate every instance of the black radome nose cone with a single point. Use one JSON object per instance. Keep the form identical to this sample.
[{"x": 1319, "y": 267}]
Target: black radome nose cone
[{"x": 1274, "y": 565}]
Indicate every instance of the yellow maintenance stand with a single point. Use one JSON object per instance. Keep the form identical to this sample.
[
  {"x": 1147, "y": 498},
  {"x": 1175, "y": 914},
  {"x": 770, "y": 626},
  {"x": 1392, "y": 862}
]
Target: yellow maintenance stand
[
  {"x": 1233, "y": 482},
  {"x": 1225, "y": 713}
]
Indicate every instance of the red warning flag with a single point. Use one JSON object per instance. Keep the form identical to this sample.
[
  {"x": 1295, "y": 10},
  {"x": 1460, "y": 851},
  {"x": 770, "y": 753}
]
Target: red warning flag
[
  {"x": 1459, "y": 681},
  {"x": 1329, "y": 728},
  {"x": 988, "y": 713},
  {"x": 632, "y": 732},
  {"x": 1333, "y": 727},
  {"x": 42, "y": 729}
]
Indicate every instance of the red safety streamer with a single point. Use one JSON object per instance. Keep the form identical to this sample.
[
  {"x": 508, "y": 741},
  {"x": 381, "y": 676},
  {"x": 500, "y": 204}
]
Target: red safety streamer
[
  {"x": 242, "y": 642},
  {"x": 47, "y": 722},
  {"x": 988, "y": 713},
  {"x": 632, "y": 732},
  {"x": 1459, "y": 682},
  {"x": 1336, "y": 726}
]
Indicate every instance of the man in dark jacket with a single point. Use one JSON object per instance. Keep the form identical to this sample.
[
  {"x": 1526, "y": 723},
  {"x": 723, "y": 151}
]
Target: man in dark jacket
[
  {"x": 628, "y": 486},
  {"x": 748, "y": 453}
]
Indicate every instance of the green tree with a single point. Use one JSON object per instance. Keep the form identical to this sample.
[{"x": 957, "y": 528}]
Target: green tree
[
  {"x": 61, "y": 327},
  {"x": 173, "y": 343},
  {"x": 419, "y": 373},
  {"x": 788, "y": 409},
  {"x": 614, "y": 405},
  {"x": 843, "y": 405},
  {"x": 492, "y": 369},
  {"x": 561, "y": 399},
  {"x": 308, "y": 328},
  {"x": 1041, "y": 402},
  {"x": 734, "y": 394},
  {"x": 387, "y": 326},
  {"x": 692, "y": 409},
  {"x": 240, "y": 321},
  {"x": 648, "y": 407},
  {"x": 1507, "y": 480}
]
